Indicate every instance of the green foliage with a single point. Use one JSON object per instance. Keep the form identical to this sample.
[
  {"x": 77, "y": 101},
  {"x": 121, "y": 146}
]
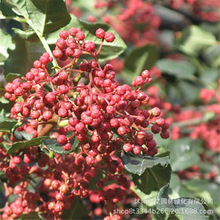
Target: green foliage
[
  {"x": 138, "y": 164},
  {"x": 149, "y": 174},
  {"x": 11, "y": 76},
  {"x": 77, "y": 211},
  {"x": 195, "y": 40},
  {"x": 183, "y": 154},
  {"x": 212, "y": 56},
  {"x": 20, "y": 135},
  {"x": 23, "y": 144},
  {"x": 45, "y": 17},
  {"x": 41, "y": 15},
  {"x": 21, "y": 58},
  {"x": 42, "y": 20},
  {"x": 6, "y": 42},
  {"x": 6, "y": 10},
  {"x": 209, "y": 76},
  {"x": 183, "y": 208},
  {"x": 180, "y": 69},
  {"x": 32, "y": 216},
  {"x": 6, "y": 124},
  {"x": 139, "y": 59},
  {"x": 147, "y": 199},
  {"x": 204, "y": 190},
  {"x": 52, "y": 145},
  {"x": 28, "y": 35},
  {"x": 153, "y": 179}
]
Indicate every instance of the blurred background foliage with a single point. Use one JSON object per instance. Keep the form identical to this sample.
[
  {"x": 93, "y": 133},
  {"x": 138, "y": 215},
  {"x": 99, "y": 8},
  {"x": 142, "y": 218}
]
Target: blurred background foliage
[{"x": 179, "y": 42}]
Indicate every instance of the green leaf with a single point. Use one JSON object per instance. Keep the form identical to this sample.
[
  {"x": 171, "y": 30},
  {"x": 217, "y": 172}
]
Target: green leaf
[
  {"x": 2, "y": 92},
  {"x": 77, "y": 211},
  {"x": 211, "y": 27},
  {"x": 42, "y": 16},
  {"x": 52, "y": 145},
  {"x": 147, "y": 199},
  {"x": 11, "y": 76},
  {"x": 3, "y": 178},
  {"x": 6, "y": 124},
  {"x": 6, "y": 42},
  {"x": 63, "y": 123},
  {"x": 3, "y": 199},
  {"x": 194, "y": 40},
  {"x": 23, "y": 144},
  {"x": 109, "y": 50},
  {"x": 138, "y": 164},
  {"x": 6, "y": 10},
  {"x": 21, "y": 58},
  {"x": 189, "y": 90},
  {"x": 20, "y": 135},
  {"x": 153, "y": 179},
  {"x": 163, "y": 194},
  {"x": 205, "y": 166},
  {"x": 139, "y": 59},
  {"x": 32, "y": 216},
  {"x": 29, "y": 35},
  {"x": 204, "y": 189},
  {"x": 212, "y": 56},
  {"x": 182, "y": 154},
  {"x": 89, "y": 7},
  {"x": 161, "y": 216},
  {"x": 174, "y": 182},
  {"x": 181, "y": 69},
  {"x": 185, "y": 208},
  {"x": 162, "y": 150},
  {"x": 209, "y": 76},
  {"x": 3, "y": 101},
  {"x": 162, "y": 144},
  {"x": 17, "y": 6},
  {"x": 47, "y": 15},
  {"x": 5, "y": 104}
]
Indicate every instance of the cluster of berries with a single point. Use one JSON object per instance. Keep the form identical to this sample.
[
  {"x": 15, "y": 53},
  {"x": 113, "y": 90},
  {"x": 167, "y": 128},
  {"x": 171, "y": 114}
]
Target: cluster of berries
[
  {"x": 83, "y": 101},
  {"x": 71, "y": 43},
  {"x": 97, "y": 108}
]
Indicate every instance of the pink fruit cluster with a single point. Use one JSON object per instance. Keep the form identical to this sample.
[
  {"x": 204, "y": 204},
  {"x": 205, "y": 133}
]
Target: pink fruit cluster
[
  {"x": 82, "y": 101},
  {"x": 207, "y": 10}
]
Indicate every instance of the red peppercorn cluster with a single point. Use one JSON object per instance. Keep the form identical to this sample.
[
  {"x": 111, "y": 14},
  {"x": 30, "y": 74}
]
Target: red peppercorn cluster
[
  {"x": 207, "y": 95},
  {"x": 96, "y": 108},
  {"x": 82, "y": 101},
  {"x": 72, "y": 44},
  {"x": 53, "y": 184}
]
